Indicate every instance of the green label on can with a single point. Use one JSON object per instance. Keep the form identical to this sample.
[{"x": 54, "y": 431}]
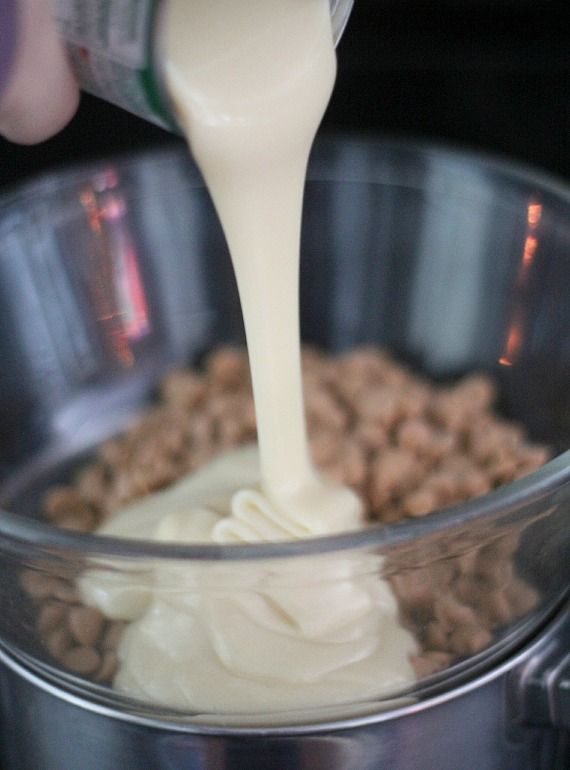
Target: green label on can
[{"x": 111, "y": 45}]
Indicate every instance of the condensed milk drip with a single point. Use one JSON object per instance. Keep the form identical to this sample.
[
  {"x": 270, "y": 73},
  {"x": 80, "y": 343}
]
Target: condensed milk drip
[{"x": 250, "y": 80}]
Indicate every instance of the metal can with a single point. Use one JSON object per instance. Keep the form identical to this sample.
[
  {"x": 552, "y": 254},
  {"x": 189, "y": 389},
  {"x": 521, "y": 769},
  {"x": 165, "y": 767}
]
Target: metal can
[{"x": 114, "y": 47}]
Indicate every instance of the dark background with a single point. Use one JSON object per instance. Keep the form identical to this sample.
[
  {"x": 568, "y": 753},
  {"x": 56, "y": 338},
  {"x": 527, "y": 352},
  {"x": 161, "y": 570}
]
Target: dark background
[{"x": 486, "y": 74}]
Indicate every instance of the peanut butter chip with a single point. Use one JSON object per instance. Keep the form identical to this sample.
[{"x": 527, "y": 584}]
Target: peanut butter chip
[
  {"x": 108, "y": 667},
  {"x": 112, "y": 635},
  {"x": 420, "y": 503},
  {"x": 86, "y": 624},
  {"x": 81, "y": 660},
  {"x": 469, "y": 639},
  {"x": 66, "y": 592},
  {"x": 227, "y": 368},
  {"x": 58, "y": 642},
  {"x": 183, "y": 389},
  {"x": 62, "y": 500},
  {"x": 91, "y": 482},
  {"x": 50, "y": 617},
  {"x": 81, "y": 521},
  {"x": 38, "y": 585},
  {"x": 430, "y": 662},
  {"x": 415, "y": 435}
]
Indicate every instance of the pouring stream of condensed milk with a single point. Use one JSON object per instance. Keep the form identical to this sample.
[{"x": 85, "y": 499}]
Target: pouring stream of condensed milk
[{"x": 250, "y": 81}]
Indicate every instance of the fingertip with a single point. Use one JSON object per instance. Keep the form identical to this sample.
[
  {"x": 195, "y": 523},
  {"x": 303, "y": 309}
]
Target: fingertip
[{"x": 42, "y": 95}]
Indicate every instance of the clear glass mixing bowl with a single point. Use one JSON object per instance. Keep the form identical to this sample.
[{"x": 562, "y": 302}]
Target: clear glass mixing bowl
[{"x": 111, "y": 273}]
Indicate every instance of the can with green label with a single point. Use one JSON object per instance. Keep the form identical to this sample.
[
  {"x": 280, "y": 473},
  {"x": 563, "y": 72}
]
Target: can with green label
[{"x": 114, "y": 46}]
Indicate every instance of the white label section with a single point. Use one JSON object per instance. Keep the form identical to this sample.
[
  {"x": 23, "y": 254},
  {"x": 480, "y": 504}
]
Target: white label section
[{"x": 116, "y": 28}]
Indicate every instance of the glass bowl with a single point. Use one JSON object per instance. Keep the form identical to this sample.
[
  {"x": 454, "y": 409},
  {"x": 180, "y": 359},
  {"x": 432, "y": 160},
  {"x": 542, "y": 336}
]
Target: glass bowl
[{"x": 111, "y": 273}]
